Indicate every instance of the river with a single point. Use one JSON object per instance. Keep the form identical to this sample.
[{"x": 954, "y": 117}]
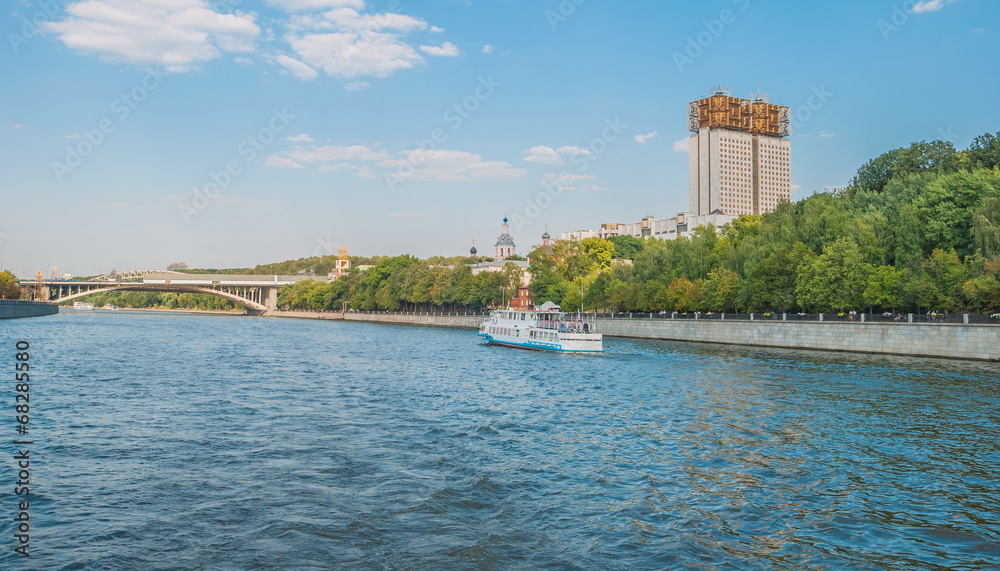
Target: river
[{"x": 220, "y": 442}]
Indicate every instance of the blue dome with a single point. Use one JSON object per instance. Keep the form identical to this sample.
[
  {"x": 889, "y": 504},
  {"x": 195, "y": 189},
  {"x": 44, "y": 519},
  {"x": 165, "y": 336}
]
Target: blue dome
[{"x": 504, "y": 219}]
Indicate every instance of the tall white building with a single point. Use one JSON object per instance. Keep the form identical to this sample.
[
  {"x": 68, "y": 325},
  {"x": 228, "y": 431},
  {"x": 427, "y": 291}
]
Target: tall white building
[{"x": 739, "y": 158}]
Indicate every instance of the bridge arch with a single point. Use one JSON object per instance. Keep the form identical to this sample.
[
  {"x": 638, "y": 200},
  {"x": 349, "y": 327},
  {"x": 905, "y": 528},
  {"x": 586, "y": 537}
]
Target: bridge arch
[{"x": 137, "y": 286}]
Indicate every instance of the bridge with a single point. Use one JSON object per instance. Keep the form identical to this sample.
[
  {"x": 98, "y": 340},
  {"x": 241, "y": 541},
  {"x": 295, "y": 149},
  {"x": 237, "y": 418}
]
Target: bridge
[{"x": 257, "y": 293}]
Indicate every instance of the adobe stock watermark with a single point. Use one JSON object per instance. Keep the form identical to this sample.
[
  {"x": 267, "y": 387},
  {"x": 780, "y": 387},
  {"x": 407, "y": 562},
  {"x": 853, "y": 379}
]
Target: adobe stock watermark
[
  {"x": 33, "y": 26},
  {"x": 901, "y": 14},
  {"x": 121, "y": 107},
  {"x": 553, "y": 187},
  {"x": 816, "y": 100},
  {"x": 221, "y": 179},
  {"x": 562, "y": 12},
  {"x": 713, "y": 29},
  {"x": 454, "y": 117},
  {"x": 948, "y": 134}
]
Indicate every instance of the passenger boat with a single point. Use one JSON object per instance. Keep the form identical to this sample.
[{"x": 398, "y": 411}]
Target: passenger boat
[
  {"x": 546, "y": 328},
  {"x": 83, "y": 306}
]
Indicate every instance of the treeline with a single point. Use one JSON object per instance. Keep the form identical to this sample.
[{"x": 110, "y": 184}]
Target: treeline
[
  {"x": 406, "y": 283},
  {"x": 157, "y": 300}
]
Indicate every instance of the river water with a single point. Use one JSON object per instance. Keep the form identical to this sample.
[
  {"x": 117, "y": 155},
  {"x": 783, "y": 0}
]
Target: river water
[{"x": 213, "y": 442}]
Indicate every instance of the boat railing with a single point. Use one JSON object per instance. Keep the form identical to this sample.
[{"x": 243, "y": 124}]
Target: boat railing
[{"x": 569, "y": 326}]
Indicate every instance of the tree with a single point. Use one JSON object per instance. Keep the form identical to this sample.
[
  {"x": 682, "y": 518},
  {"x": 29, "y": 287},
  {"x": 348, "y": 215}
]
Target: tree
[
  {"x": 984, "y": 291},
  {"x": 10, "y": 287},
  {"x": 947, "y": 207},
  {"x": 835, "y": 280},
  {"x": 720, "y": 289},
  {"x": 545, "y": 280},
  {"x": 986, "y": 227},
  {"x": 984, "y": 152},
  {"x": 683, "y": 295},
  {"x": 936, "y": 156},
  {"x": 943, "y": 275},
  {"x": 884, "y": 288},
  {"x": 770, "y": 284},
  {"x": 600, "y": 251},
  {"x": 626, "y": 247}
]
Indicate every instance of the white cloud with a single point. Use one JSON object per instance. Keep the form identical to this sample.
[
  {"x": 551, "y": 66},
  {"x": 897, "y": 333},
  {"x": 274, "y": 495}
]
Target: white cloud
[
  {"x": 297, "y": 68},
  {"x": 336, "y": 153},
  {"x": 682, "y": 146},
  {"x": 281, "y": 163},
  {"x": 572, "y": 150},
  {"x": 177, "y": 34},
  {"x": 447, "y": 49},
  {"x": 488, "y": 49},
  {"x": 436, "y": 29},
  {"x": 348, "y": 55},
  {"x": 796, "y": 187},
  {"x": 543, "y": 155},
  {"x": 416, "y": 164},
  {"x": 303, "y": 138},
  {"x": 298, "y": 5},
  {"x": 73, "y": 136},
  {"x": 930, "y": 5},
  {"x": 337, "y": 167},
  {"x": 825, "y": 135},
  {"x": 357, "y": 85},
  {"x": 447, "y": 165},
  {"x": 641, "y": 139}
]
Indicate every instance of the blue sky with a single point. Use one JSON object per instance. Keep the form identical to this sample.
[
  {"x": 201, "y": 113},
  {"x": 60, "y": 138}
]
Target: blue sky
[{"x": 227, "y": 133}]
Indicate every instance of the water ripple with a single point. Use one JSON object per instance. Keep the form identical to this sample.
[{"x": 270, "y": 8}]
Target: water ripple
[{"x": 195, "y": 442}]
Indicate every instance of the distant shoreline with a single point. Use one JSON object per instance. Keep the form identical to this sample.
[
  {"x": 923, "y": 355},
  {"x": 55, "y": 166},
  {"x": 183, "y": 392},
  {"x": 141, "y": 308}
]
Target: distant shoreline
[{"x": 159, "y": 310}]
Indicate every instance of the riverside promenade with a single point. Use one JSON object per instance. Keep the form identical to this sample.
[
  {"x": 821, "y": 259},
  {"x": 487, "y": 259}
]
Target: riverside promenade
[
  {"x": 14, "y": 308},
  {"x": 908, "y": 336}
]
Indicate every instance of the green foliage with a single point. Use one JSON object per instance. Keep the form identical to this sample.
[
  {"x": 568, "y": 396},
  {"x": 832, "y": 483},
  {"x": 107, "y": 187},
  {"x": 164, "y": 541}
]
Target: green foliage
[
  {"x": 9, "y": 286},
  {"x": 984, "y": 152},
  {"x": 884, "y": 290},
  {"x": 835, "y": 280},
  {"x": 942, "y": 281},
  {"x": 600, "y": 251},
  {"x": 626, "y": 247},
  {"x": 936, "y": 156},
  {"x": 720, "y": 289},
  {"x": 161, "y": 300}
]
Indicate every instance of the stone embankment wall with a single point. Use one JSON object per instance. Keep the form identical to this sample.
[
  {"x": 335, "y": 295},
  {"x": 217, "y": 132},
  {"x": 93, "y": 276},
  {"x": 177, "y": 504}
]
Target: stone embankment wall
[
  {"x": 955, "y": 341},
  {"x": 980, "y": 342},
  {"x": 467, "y": 321},
  {"x": 10, "y": 309}
]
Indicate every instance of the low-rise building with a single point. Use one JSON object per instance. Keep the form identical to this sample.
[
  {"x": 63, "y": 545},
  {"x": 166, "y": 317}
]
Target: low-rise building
[{"x": 680, "y": 226}]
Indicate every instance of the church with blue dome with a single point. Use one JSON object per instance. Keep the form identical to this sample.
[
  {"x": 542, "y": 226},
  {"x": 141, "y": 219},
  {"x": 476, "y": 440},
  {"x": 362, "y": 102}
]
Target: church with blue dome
[{"x": 505, "y": 243}]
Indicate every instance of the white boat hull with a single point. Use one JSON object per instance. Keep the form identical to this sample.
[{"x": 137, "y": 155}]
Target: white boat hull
[{"x": 568, "y": 345}]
